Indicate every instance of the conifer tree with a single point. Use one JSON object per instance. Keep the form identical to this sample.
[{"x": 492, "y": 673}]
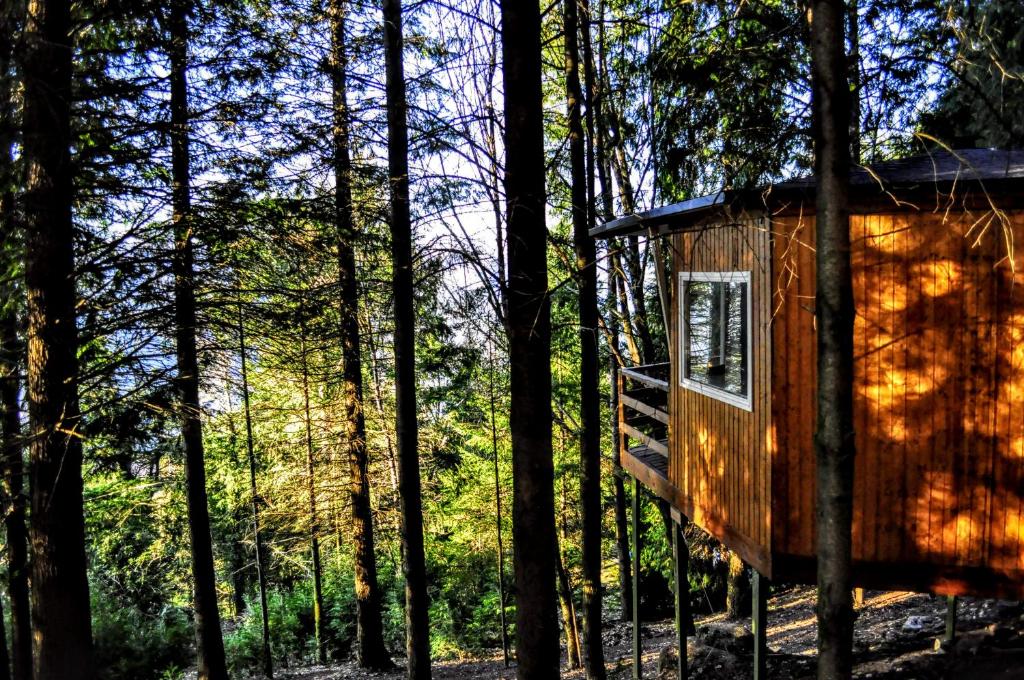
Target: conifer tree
[
  {"x": 414, "y": 566},
  {"x": 209, "y": 643},
  {"x": 529, "y": 322},
  {"x": 60, "y": 588}
]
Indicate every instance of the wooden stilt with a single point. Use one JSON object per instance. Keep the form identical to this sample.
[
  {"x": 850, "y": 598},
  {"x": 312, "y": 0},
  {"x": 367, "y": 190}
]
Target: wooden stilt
[
  {"x": 681, "y": 559},
  {"x": 951, "y": 605},
  {"x": 760, "y": 626},
  {"x": 637, "y": 661}
]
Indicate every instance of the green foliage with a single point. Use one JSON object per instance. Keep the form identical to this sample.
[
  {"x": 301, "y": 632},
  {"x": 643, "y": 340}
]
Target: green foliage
[
  {"x": 291, "y": 623},
  {"x": 133, "y": 645},
  {"x": 981, "y": 108}
]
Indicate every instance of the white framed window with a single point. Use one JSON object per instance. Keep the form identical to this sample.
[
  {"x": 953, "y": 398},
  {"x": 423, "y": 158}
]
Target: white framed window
[{"x": 714, "y": 339}]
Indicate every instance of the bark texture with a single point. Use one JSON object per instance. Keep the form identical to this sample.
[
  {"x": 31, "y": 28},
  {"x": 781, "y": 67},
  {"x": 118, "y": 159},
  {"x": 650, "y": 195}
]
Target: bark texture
[
  {"x": 834, "y": 312},
  {"x": 417, "y": 605},
  {"x": 370, "y": 650},
  {"x": 590, "y": 408},
  {"x": 61, "y": 622},
  {"x": 12, "y": 358},
  {"x": 209, "y": 643},
  {"x": 530, "y": 346}
]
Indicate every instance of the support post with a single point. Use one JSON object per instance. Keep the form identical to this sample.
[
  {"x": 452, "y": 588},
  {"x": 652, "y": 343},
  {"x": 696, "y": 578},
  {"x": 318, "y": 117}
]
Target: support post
[
  {"x": 637, "y": 652},
  {"x": 760, "y": 626},
  {"x": 951, "y": 605},
  {"x": 681, "y": 559}
]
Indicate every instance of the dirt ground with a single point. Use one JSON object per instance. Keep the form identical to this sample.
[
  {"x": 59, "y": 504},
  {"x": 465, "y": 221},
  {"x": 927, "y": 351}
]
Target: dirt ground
[{"x": 895, "y": 638}]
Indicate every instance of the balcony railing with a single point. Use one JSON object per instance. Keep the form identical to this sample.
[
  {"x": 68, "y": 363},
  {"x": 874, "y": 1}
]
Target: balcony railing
[{"x": 643, "y": 412}]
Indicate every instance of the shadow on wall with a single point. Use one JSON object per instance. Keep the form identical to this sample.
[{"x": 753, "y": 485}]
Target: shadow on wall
[{"x": 939, "y": 391}]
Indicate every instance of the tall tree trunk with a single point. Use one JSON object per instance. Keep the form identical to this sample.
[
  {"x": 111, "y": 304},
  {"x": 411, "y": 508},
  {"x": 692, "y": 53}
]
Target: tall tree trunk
[
  {"x": 12, "y": 357},
  {"x": 370, "y": 650},
  {"x": 834, "y": 314},
  {"x": 250, "y": 447},
  {"x": 13, "y": 468},
  {"x": 60, "y": 589},
  {"x": 590, "y": 408},
  {"x": 631, "y": 253},
  {"x": 530, "y": 346},
  {"x": 637, "y": 275},
  {"x": 314, "y": 523},
  {"x": 618, "y": 283},
  {"x": 497, "y": 508},
  {"x": 10, "y": 419},
  {"x": 238, "y": 559},
  {"x": 604, "y": 178},
  {"x": 406, "y": 428},
  {"x": 209, "y": 643}
]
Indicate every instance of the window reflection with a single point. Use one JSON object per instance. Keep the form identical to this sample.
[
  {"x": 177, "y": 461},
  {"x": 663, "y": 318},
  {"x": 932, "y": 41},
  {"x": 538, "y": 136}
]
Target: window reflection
[{"x": 715, "y": 334}]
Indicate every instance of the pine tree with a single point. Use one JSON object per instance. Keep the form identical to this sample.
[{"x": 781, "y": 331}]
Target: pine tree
[
  {"x": 529, "y": 322},
  {"x": 417, "y": 604},
  {"x": 590, "y": 409},
  {"x": 12, "y": 359},
  {"x": 370, "y": 650},
  {"x": 60, "y": 588},
  {"x": 209, "y": 643}
]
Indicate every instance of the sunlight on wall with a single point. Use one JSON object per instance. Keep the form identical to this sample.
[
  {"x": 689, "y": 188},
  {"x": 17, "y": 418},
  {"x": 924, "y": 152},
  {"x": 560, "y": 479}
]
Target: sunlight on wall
[{"x": 938, "y": 277}]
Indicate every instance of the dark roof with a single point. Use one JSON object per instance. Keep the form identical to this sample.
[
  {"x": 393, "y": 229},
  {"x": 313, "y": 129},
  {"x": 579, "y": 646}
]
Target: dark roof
[{"x": 936, "y": 168}]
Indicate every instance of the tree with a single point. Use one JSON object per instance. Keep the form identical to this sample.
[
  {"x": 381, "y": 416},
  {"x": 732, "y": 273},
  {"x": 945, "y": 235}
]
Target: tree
[
  {"x": 529, "y": 323},
  {"x": 314, "y": 521},
  {"x": 12, "y": 357},
  {"x": 209, "y": 643},
  {"x": 370, "y": 649},
  {"x": 60, "y": 588},
  {"x": 834, "y": 313},
  {"x": 250, "y": 449},
  {"x": 590, "y": 408},
  {"x": 414, "y": 566},
  {"x": 980, "y": 107}
]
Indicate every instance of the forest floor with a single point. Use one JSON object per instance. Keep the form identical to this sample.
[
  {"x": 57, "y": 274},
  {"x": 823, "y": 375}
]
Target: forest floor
[{"x": 895, "y": 637}]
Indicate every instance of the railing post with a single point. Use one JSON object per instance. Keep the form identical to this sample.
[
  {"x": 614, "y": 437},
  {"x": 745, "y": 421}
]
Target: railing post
[{"x": 622, "y": 444}]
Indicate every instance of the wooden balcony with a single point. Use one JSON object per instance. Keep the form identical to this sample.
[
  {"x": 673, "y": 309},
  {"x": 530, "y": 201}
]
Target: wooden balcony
[{"x": 643, "y": 393}]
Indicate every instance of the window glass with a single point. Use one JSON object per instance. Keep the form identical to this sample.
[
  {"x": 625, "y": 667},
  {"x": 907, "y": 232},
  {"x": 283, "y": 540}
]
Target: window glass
[{"x": 715, "y": 333}]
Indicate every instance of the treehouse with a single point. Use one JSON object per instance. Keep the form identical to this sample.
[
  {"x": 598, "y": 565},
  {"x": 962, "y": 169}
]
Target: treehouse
[{"x": 724, "y": 432}]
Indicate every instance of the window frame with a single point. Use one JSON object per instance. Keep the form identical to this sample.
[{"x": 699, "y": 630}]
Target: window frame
[{"x": 743, "y": 402}]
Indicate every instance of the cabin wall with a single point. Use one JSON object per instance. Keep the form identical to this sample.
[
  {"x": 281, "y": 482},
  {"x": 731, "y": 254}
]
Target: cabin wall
[
  {"x": 719, "y": 453},
  {"x": 939, "y": 397}
]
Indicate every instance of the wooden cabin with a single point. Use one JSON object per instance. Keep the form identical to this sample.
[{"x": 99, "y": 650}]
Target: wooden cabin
[{"x": 725, "y": 432}]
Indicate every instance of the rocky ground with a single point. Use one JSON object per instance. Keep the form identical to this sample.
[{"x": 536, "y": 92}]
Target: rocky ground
[{"x": 898, "y": 636}]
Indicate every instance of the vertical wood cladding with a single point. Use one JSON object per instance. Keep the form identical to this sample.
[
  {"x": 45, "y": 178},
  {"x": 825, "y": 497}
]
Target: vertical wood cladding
[
  {"x": 939, "y": 392},
  {"x": 719, "y": 453}
]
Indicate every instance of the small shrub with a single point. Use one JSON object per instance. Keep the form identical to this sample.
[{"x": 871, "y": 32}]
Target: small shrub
[{"x": 130, "y": 645}]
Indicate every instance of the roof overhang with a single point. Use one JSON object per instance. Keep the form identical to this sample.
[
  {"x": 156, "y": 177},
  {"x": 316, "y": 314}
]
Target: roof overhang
[
  {"x": 905, "y": 184},
  {"x": 665, "y": 219}
]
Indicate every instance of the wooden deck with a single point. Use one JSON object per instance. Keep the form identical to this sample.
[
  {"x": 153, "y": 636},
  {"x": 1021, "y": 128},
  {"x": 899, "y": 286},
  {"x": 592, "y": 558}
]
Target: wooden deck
[
  {"x": 643, "y": 419},
  {"x": 650, "y": 467}
]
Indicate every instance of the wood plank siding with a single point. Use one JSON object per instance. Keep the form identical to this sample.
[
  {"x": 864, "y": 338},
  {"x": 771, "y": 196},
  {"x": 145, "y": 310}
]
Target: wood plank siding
[
  {"x": 719, "y": 454},
  {"x": 939, "y": 399}
]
